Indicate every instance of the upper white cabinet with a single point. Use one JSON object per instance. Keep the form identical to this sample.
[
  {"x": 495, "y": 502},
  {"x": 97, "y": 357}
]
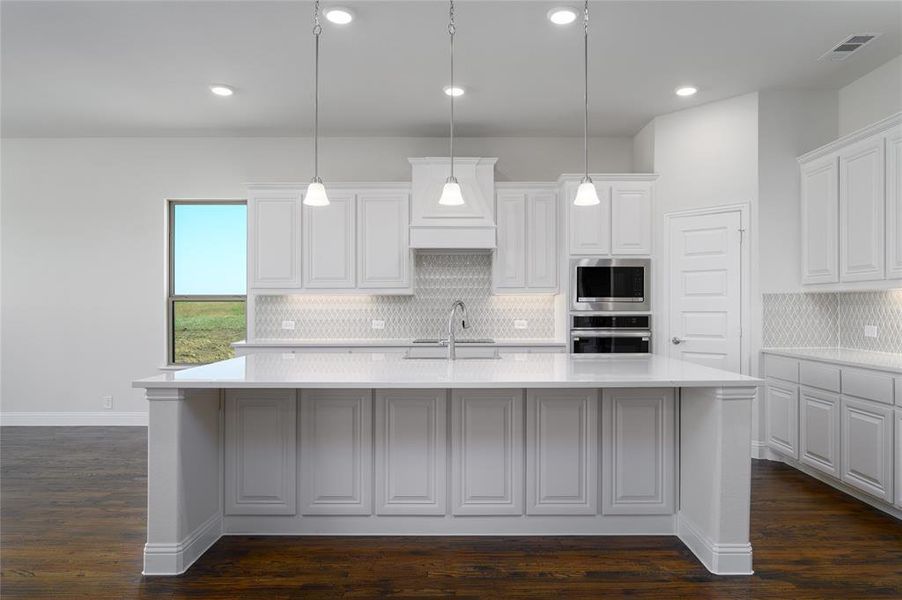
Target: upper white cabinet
[
  {"x": 526, "y": 259},
  {"x": 383, "y": 252},
  {"x": 274, "y": 238},
  {"x": 620, "y": 224},
  {"x": 330, "y": 243},
  {"x": 851, "y": 208}
]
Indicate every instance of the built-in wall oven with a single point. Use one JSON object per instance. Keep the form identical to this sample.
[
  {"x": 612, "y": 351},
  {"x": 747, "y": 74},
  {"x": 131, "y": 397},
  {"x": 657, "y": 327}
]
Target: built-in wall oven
[
  {"x": 610, "y": 334},
  {"x": 610, "y": 284}
]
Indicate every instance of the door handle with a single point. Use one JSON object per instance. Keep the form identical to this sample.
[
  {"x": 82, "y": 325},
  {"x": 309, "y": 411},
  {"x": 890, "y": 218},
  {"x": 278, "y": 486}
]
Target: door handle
[{"x": 676, "y": 341}]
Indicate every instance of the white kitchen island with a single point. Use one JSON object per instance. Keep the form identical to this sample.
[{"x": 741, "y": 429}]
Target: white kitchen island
[{"x": 376, "y": 444}]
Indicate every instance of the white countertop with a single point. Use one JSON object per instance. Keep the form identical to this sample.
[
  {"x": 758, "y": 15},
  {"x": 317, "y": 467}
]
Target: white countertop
[
  {"x": 386, "y": 343},
  {"x": 866, "y": 359},
  {"x": 391, "y": 370}
]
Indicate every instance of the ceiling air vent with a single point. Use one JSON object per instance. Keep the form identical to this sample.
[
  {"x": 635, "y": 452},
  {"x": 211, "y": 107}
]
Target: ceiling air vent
[{"x": 845, "y": 48}]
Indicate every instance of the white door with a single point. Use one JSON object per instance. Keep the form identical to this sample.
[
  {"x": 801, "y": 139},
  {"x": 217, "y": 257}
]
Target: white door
[
  {"x": 705, "y": 289},
  {"x": 894, "y": 205},
  {"x": 820, "y": 221},
  {"x": 861, "y": 211},
  {"x": 631, "y": 218},
  {"x": 329, "y": 243},
  {"x": 383, "y": 246}
]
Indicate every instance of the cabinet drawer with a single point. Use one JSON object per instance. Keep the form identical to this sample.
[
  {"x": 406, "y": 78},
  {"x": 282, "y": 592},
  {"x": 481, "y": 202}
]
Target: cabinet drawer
[
  {"x": 781, "y": 367},
  {"x": 819, "y": 375},
  {"x": 868, "y": 384}
]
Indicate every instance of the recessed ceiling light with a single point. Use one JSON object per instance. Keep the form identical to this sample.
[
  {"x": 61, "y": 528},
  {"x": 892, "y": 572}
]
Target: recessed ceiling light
[
  {"x": 561, "y": 16},
  {"x": 221, "y": 90},
  {"x": 339, "y": 16},
  {"x": 454, "y": 91},
  {"x": 686, "y": 90}
]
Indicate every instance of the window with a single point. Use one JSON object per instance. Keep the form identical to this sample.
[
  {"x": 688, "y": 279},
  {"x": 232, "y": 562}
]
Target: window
[{"x": 207, "y": 279}]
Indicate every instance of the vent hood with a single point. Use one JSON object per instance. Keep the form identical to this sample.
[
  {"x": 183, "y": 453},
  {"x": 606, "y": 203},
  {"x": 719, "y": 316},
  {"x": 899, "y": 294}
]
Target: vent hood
[{"x": 470, "y": 226}]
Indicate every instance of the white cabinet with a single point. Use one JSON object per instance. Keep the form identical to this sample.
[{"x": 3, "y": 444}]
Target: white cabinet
[
  {"x": 561, "y": 452},
  {"x": 410, "y": 452},
  {"x": 336, "y": 452},
  {"x": 867, "y": 447},
  {"x": 819, "y": 430},
  {"x": 274, "y": 238},
  {"x": 526, "y": 259},
  {"x": 861, "y": 209},
  {"x": 637, "y": 448},
  {"x": 782, "y": 417},
  {"x": 487, "y": 452},
  {"x": 330, "y": 243},
  {"x": 260, "y": 474},
  {"x": 894, "y": 204},
  {"x": 898, "y": 459},
  {"x": 589, "y": 226},
  {"x": 383, "y": 249},
  {"x": 820, "y": 221},
  {"x": 631, "y": 218}
]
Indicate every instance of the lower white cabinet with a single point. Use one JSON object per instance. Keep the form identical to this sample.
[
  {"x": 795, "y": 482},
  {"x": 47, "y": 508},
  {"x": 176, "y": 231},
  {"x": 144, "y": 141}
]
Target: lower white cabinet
[
  {"x": 410, "y": 452},
  {"x": 898, "y": 421},
  {"x": 782, "y": 417},
  {"x": 336, "y": 452},
  {"x": 819, "y": 430},
  {"x": 867, "y": 449},
  {"x": 487, "y": 452},
  {"x": 561, "y": 452},
  {"x": 638, "y": 451},
  {"x": 260, "y": 474}
]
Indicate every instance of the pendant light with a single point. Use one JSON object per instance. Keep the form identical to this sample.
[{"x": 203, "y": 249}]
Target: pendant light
[
  {"x": 451, "y": 195},
  {"x": 586, "y": 194},
  {"x": 316, "y": 191}
]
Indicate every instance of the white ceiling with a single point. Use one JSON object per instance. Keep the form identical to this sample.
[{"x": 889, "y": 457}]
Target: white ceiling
[{"x": 127, "y": 68}]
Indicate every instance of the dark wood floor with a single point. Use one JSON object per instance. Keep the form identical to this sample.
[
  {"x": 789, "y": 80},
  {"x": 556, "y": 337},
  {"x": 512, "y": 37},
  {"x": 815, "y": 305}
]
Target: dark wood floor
[{"x": 73, "y": 506}]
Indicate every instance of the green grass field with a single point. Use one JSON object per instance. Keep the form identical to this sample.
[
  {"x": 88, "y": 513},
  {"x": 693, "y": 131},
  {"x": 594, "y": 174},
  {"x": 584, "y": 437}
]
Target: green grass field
[{"x": 204, "y": 330}]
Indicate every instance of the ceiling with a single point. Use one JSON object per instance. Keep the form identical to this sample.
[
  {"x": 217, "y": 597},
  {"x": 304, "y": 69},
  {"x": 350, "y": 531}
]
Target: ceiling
[{"x": 130, "y": 68}]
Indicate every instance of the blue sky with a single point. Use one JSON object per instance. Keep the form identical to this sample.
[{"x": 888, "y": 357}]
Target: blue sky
[{"x": 210, "y": 249}]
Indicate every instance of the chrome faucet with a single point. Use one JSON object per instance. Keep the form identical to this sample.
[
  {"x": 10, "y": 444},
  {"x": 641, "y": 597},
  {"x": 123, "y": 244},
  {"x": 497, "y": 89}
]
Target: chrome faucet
[{"x": 452, "y": 350}]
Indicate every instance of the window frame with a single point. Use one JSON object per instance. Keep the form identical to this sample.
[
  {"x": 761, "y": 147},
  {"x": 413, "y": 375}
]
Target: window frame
[{"x": 172, "y": 297}]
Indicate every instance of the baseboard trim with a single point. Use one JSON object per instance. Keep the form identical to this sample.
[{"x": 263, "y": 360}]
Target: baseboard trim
[
  {"x": 759, "y": 449},
  {"x": 174, "y": 559},
  {"x": 720, "y": 559},
  {"x": 73, "y": 419}
]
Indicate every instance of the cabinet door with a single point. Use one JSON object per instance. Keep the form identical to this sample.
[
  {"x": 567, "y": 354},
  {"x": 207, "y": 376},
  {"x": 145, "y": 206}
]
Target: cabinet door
[
  {"x": 820, "y": 221},
  {"x": 637, "y": 446},
  {"x": 410, "y": 452},
  {"x": 898, "y": 460},
  {"x": 861, "y": 208},
  {"x": 274, "y": 238},
  {"x": 336, "y": 452},
  {"x": 383, "y": 247},
  {"x": 631, "y": 218},
  {"x": 819, "y": 430},
  {"x": 487, "y": 452},
  {"x": 867, "y": 447},
  {"x": 562, "y": 452},
  {"x": 894, "y": 204},
  {"x": 329, "y": 243},
  {"x": 782, "y": 417},
  {"x": 260, "y": 475},
  {"x": 509, "y": 264},
  {"x": 589, "y": 226},
  {"x": 542, "y": 247}
]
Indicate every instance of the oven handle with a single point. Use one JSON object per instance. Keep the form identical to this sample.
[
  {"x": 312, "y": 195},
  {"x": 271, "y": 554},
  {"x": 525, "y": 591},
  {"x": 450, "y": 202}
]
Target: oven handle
[
  {"x": 609, "y": 333},
  {"x": 609, "y": 299}
]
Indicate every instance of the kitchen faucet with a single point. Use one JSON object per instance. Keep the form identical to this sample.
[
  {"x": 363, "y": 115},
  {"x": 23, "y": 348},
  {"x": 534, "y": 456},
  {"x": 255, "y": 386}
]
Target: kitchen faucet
[{"x": 452, "y": 350}]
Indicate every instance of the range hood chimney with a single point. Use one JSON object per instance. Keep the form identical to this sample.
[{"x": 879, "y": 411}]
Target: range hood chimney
[{"x": 468, "y": 226}]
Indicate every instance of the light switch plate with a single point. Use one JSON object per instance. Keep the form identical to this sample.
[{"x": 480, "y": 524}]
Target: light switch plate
[
  {"x": 870, "y": 331},
  {"x": 521, "y": 324},
  {"x": 378, "y": 324},
  {"x": 288, "y": 325}
]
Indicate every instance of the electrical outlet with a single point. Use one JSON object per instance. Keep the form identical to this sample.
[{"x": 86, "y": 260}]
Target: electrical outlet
[
  {"x": 870, "y": 331},
  {"x": 378, "y": 324},
  {"x": 108, "y": 402},
  {"x": 521, "y": 324},
  {"x": 288, "y": 325}
]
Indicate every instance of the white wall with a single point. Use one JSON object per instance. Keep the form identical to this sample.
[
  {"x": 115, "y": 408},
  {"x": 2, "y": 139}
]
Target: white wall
[
  {"x": 872, "y": 97},
  {"x": 644, "y": 149},
  {"x": 83, "y": 243}
]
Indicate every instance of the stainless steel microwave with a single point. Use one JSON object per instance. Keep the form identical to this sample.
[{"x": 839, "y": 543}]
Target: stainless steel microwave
[{"x": 610, "y": 284}]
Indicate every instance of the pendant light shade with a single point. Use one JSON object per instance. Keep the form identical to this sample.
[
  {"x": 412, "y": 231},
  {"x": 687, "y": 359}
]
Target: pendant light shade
[
  {"x": 316, "y": 191},
  {"x": 586, "y": 194},
  {"x": 451, "y": 195}
]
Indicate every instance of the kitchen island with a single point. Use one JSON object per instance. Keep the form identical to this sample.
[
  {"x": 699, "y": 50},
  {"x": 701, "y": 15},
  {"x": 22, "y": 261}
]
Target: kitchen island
[{"x": 377, "y": 444}]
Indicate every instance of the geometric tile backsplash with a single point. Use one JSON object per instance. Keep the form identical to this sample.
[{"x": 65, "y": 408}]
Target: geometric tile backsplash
[
  {"x": 833, "y": 320},
  {"x": 439, "y": 280}
]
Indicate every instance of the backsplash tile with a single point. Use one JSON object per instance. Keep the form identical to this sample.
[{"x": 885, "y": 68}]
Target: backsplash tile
[
  {"x": 833, "y": 319},
  {"x": 440, "y": 279}
]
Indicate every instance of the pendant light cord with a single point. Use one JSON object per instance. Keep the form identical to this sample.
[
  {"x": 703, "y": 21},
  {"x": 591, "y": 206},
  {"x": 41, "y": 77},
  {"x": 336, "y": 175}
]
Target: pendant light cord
[
  {"x": 317, "y": 30},
  {"x": 586, "y": 89},
  {"x": 451, "y": 31}
]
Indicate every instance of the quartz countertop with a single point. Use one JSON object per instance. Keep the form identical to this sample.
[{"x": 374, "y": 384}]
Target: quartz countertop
[
  {"x": 866, "y": 359},
  {"x": 387, "y": 343},
  {"x": 392, "y": 370}
]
